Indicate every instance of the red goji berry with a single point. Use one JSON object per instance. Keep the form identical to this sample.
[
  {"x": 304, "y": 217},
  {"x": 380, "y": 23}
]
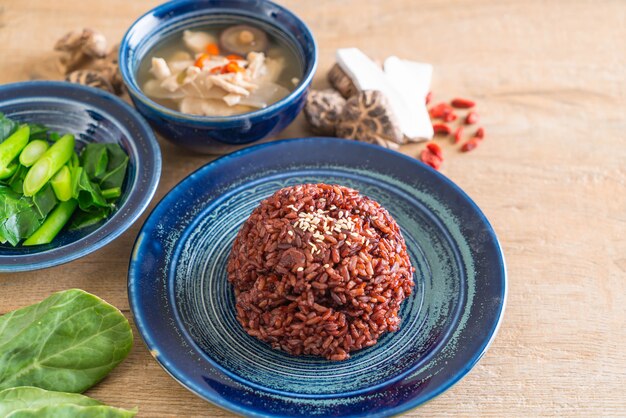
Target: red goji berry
[
  {"x": 441, "y": 128},
  {"x": 440, "y": 110},
  {"x": 480, "y": 133},
  {"x": 458, "y": 134},
  {"x": 470, "y": 145},
  {"x": 472, "y": 118},
  {"x": 431, "y": 159},
  {"x": 462, "y": 103},
  {"x": 435, "y": 149},
  {"x": 450, "y": 117},
  {"x": 429, "y": 97}
]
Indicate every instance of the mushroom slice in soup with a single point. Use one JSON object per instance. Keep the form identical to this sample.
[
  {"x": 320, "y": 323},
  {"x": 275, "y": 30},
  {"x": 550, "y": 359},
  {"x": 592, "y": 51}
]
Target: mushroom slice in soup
[{"x": 242, "y": 39}]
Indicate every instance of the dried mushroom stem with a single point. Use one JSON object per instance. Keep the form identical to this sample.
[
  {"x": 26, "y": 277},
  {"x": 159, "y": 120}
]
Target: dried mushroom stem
[{"x": 342, "y": 82}]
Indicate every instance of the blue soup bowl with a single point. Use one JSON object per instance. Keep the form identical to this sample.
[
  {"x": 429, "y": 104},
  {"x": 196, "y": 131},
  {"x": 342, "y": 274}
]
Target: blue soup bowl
[
  {"x": 219, "y": 134},
  {"x": 91, "y": 115}
]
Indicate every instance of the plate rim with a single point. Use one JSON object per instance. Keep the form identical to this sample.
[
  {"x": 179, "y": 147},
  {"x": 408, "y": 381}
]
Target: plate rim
[{"x": 407, "y": 405}]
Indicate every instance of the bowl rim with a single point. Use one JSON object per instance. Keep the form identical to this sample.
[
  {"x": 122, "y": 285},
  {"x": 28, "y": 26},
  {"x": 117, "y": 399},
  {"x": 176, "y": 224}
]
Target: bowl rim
[
  {"x": 138, "y": 94},
  {"x": 12, "y": 263},
  {"x": 155, "y": 345}
]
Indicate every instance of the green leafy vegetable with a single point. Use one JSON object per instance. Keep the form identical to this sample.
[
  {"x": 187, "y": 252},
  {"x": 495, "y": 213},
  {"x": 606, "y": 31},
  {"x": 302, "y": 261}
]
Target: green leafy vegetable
[
  {"x": 38, "y": 131},
  {"x": 68, "y": 342},
  {"x": 53, "y": 224},
  {"x": 33, "y": 151},
  {"x": 45, "y": 200},
  {"x": 11, "y": 147},
  {"x": 85, "y": 219},
  {"x": 29, "y": 397},
  {"x": 49, "y": 163},
  {"x": 116, "y": 168},
  {"x": 40, "y": 168},
  {"x": 7, "y": 127},
  {"x": 19, "y": 217},
  {"x": 89, "y": 194},
  {"x": 95, "y": 159}
]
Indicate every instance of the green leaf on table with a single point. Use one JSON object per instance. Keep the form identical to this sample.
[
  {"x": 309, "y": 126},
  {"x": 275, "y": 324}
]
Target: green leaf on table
[
  {"x": 68, "y": 342},
  {"x": 74, "y": 411},
  {"x": 30, "y": 397},
  {"x": 7, "y": 127}
]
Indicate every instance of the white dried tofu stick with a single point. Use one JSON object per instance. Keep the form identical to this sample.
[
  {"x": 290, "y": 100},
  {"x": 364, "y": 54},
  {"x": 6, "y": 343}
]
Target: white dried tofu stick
[{"x": 412, "y": 80}]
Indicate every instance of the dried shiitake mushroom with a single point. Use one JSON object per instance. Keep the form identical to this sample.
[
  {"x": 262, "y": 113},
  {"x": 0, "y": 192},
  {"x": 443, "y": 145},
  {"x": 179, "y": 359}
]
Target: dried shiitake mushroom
[
  {"x": 322, "y": 110},
  {"x": 90, "y": 78},
  {"x": 242, "y": 39},
  {"x": 86, "y": 59},
  {"x": 80, "y": 47},
  {"x": 368, "y": 117}
]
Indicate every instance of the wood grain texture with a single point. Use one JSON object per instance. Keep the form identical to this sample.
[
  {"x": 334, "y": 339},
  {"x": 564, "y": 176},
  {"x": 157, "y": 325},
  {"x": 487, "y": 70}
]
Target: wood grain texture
[{"x": 550, "y": 80}]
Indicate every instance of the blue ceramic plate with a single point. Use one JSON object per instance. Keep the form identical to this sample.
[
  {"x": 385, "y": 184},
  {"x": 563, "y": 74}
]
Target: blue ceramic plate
[
  {"x": 184, "y": 306},
  {"x": 92, "y": 115}
]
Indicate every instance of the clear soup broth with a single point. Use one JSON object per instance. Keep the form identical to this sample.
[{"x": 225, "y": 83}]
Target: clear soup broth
[{"x": 220, "y": 69}]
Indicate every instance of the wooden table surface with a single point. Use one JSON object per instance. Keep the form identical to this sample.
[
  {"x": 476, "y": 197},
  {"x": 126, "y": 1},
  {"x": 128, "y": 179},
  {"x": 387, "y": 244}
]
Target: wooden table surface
[{"x": 550, "y": 80}]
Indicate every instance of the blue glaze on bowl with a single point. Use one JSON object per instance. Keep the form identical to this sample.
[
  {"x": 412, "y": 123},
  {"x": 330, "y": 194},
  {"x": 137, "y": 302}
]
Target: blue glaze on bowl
[
  {"x": 92, "y": 115},
  {"x": 184, "y": 306},
  {"x": 216, "y": 134}
]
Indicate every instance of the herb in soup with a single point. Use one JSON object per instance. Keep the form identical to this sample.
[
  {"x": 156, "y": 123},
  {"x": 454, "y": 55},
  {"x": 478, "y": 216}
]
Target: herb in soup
[{"x": 220, "y": 71}]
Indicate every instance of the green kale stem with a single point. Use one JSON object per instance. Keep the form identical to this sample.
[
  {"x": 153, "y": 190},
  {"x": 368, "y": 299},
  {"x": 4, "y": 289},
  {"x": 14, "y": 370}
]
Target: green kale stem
[
  {"x": 11, "y": 147},
  {"x": 48, "y": 164},
  {"x": 32, "y": 152},
  {"x": 55, "y": 221},
  {"x": 112, "y": 193}
]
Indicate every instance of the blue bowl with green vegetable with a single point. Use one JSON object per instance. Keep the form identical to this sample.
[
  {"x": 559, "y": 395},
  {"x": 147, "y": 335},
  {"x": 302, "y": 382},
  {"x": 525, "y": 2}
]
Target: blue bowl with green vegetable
[{"x": 77, "y": 167}]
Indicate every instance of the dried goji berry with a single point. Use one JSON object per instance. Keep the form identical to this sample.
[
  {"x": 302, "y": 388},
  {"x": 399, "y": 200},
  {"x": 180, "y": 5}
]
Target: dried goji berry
[
  {"x": 458, "y": 134},
  {"x": 429, "y": 97},
  {"x": 470, "y": 145},
  {"x": 480, "y": 133},
  {"x": 462, "y": 103},
  {"x": 201, "y": 59},
  {"x": 472, "y": 118},
  {"x": 431, "y": 159},
  {"x": 435, "y": 149},
  {"x": 441, "y": 128},
  {"x": 440, "y": 110},
  {"x": 450, "y": 117}
]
